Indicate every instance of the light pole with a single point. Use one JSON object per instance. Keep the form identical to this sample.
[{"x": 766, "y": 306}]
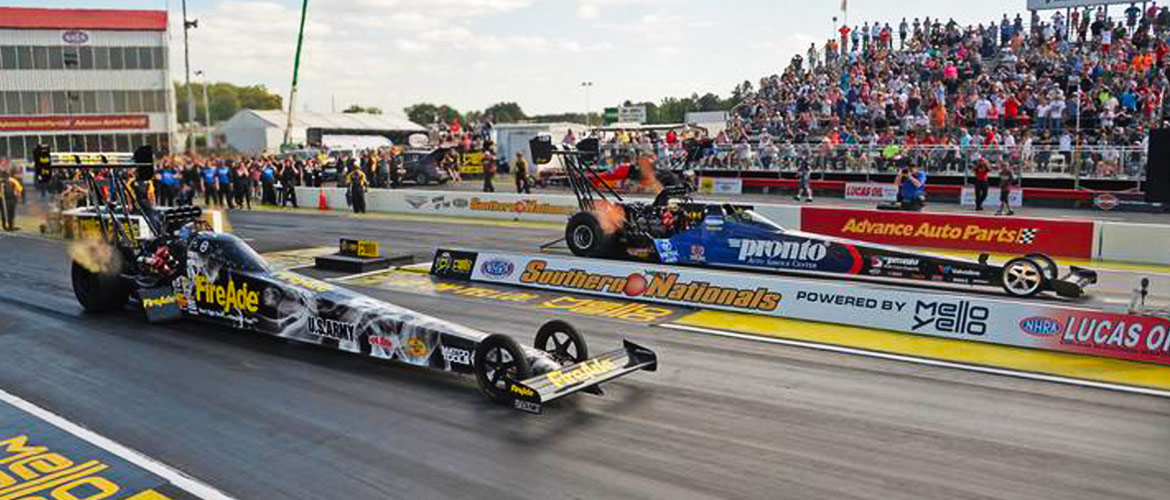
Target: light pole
[
  {"x": 587, "y": 86},
  {"x": 187, "y": 25},
  {"x": 292, "y": 93},
  {"x": 206, "y": 112}
]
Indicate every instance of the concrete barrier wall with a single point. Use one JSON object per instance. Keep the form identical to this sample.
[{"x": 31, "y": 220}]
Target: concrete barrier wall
[
  {"x": 1117, "y": 241},
  {"x": 1128, "y": 242}
]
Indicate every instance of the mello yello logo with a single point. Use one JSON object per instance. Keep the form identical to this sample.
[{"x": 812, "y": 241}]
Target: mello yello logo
[{"x": 227, "y": 297}]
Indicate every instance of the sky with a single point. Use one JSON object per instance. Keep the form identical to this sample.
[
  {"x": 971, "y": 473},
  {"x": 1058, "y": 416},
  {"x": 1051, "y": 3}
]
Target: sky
[{"x": 473, "y": 53}]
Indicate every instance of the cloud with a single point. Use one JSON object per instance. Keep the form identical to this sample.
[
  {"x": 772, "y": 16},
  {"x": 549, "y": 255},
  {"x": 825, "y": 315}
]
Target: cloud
[{"x": 594, "y": 9}]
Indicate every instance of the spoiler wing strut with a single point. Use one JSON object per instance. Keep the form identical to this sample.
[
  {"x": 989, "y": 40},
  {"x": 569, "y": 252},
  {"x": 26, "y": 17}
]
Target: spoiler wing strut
[{"x": 531, "y": 394}]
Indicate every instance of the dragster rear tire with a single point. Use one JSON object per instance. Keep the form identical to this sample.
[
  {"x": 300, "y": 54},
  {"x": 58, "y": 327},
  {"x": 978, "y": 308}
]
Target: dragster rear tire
[
  {"x": 585, "y": 238},
  {"x": 567, "y": 345},
  {"x": 99, "y": 292},
  {"x": 1051, "y": 270},
  {"x": 495, "y": 378}
]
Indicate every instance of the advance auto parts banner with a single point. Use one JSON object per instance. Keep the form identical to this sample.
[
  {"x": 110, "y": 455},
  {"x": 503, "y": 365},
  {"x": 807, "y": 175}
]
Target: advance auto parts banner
[
  {"x": 1010, "y": 235},
  {"x": 922, "y": 312}
]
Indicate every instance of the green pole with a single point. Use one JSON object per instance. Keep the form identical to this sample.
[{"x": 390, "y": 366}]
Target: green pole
[{"x": 292, "y": 94}]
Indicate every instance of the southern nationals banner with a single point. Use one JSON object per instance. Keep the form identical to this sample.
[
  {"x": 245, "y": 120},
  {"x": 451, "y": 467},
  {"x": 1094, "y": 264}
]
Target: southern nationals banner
[
  {"x": 931, "y": 312},
  {"x": 1011, "y": 235}
]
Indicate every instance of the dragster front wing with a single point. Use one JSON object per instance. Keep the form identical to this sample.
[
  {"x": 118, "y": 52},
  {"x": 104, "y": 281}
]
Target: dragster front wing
[{"x": 530, "y": 395}]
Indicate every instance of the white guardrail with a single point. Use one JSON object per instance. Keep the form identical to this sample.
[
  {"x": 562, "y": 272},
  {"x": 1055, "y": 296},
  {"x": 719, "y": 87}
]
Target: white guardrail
[{"x": 922, "y": 312}]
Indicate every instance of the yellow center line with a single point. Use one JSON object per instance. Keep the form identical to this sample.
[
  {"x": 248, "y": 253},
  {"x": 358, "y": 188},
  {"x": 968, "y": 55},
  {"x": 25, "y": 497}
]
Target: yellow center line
[{"x": 1012, "y": 358}]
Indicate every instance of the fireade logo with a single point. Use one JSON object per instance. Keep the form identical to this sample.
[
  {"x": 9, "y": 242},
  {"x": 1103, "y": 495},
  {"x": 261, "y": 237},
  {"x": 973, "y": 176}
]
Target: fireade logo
[
  {"x": 805, "y": 251},
  {"x": 228, "y": 297}
]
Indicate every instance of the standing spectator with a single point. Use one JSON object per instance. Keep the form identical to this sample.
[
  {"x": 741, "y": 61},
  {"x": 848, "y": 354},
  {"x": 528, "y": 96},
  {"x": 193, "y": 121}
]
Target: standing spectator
[
  {"x": 268, "y": 185},
  {"x": 982, "y": 170},
  {"x": 210, "y": 196},
  {"x": 1006, "y": 180},
  {"x": 489, "y": 170},
  {"x": 357, "y": 189},
  {"x": 396, "y": 162},
  {"x": 520, "y": 172},
  {"x": 288, "y": 183},
  {"x": 223, "y": 189},
  {"x": 167, "y": 184},
  {"x": 804, "y": 177},
  {"x": 382, "y": 175},
  {"x": 241, "y": 186},
  {"x": 10, "y": 193}
]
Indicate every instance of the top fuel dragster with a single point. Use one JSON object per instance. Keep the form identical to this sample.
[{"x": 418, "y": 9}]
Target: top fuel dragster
[
  {"x": 675, "y": 229},
  {"x": 186, "y": 270}
]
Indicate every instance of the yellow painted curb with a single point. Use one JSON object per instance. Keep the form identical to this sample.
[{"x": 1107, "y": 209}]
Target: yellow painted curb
[{"x": 1013, "y": 358}]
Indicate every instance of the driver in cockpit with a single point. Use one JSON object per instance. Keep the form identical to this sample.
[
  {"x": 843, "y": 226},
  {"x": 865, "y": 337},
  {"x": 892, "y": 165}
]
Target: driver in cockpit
[{"x": 674, "y": 220}]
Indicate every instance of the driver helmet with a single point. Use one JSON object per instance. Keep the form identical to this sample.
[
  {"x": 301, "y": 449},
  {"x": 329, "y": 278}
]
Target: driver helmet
[{"x": 672, "y": 205}]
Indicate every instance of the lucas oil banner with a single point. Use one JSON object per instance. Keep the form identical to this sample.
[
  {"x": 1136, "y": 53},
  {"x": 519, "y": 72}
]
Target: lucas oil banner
[{"x": 926, "y": 311}]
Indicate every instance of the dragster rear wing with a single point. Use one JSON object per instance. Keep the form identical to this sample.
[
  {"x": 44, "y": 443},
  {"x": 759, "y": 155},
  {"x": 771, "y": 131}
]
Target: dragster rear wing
[{"x": 531, "y": 394}]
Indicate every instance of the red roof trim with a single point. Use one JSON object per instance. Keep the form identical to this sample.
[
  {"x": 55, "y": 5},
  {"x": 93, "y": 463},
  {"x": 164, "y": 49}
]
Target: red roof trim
[{"x": 91, "y": 19}]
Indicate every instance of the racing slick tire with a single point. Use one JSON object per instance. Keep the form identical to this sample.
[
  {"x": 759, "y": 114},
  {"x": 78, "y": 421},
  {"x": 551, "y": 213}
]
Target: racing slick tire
[
  {"x": 1051, "y": 270},
  {"x": 1023, "y": 277},
  {"x": 585, "y": 237},
  {"x": 562, "y": 342},
  {"x": 99, "y": 292},
  {"x": 495, "y": 374}
]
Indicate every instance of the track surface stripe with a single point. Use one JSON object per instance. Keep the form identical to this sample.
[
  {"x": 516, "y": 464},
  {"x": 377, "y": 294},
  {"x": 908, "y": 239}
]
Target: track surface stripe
[
  {"x": 175, "y": 476},
  {"x": 1032, "y": 363}
]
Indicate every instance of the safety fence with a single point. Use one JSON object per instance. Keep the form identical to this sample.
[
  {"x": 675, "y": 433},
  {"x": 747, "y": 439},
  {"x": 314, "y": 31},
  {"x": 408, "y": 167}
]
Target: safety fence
[{"x": 1076, "y": 161}]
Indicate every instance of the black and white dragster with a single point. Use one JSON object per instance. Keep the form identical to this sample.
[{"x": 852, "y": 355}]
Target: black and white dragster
[{"x": 188, "y": 271}]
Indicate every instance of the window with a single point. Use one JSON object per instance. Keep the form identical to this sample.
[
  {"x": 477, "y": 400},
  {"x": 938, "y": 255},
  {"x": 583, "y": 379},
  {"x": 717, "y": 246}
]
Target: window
[
  {"x": 60, "y": 103},
  {"x": 16, "y": 147},
  {"x": 56, "y": 58},
  {"x": 89, "y": 101},
  {"x": 131, "y": 56},
  {"x": 86, "y": 57},
  {"x": 146, "y": 58},
  {"x": 40, "y": 57},
  {"x": 160, "y": 58},
  {"x": 24, "y": 58},
  {"x": 28, "y": 103},
  {"x": 3, "y": 147},
  {"x": 134, "y": 101},
  {"x": 8, "y": 58},
  {"x": 101, "y": 58},
  {"x": 160, "y": 101},
  {"x": 61, "y": 143},
  {"x": 119, "y": 101},
  {"x": 105, "y": 101},
  {"x": 12, "y": 99},
  {"x": 121, "y": 142},
  {"x": 70, "y": 57},
  {"x": 116, "y": 61},
  {"x": 3, "y": 102},
  {"x": 45, "y": 102},
  {"x": 106, "y": 142}
]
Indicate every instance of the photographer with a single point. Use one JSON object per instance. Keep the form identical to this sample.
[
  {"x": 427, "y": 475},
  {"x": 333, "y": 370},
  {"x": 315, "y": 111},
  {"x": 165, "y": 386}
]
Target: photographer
[{"x": 911, "y": 184}]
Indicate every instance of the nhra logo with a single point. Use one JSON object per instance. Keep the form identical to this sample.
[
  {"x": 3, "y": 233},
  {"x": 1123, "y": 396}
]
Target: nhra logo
[
  {"x": 805, "y": 251},
  {"x": 1040, "y": 326},
  {"x": 497, "y": 268},
  {"x": 456, "y": 356}
]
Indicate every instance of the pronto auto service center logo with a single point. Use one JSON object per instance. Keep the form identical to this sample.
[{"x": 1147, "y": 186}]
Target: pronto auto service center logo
[{"x": 75, "y": 37}]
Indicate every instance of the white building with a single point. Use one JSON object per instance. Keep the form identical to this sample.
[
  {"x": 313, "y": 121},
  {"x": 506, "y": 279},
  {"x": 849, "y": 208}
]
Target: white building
[
  {"x": 251, "y": 131},
  {"x": 83, "y": 80}
]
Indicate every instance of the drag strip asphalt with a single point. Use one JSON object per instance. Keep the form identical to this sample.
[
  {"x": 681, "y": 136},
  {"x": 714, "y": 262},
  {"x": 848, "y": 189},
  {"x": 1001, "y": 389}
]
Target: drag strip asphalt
[{"x": 257, "y": 417}]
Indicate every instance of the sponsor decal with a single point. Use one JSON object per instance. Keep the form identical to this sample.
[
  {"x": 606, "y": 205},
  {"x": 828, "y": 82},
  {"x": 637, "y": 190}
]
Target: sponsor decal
[
  {"x": 228, "y": 297},
  {"x": 807, "y": 250},
  {"x": 417, "y": 201},
  {"x": 74, "y": 37},
  {"x": 1106, "y": 201},
  {"x": 662, "y": 286},
  {"x": 951, "y": 317},
  {"x": 926, "y": 230},
  {"x": 160, "y": 302},
  {"x": 529, "y": 206},
  {"x": 456, "y": 356},
  {"x": 497, "y": 268},
  {"x": 522, "y": 391},
  {"x": 36, "y": 471},
  {"x": 453, "y": 264},
  {"x": 384, "y": 342},
  {"x": 1117, "y": 332},
  {"x": 460, "y": 203},
  {"x": 698, "y": 253},
  {"x": 1040, "y": 326},
  {"x": 872, "y": 192},
  {"x": 629, "y": 311},
  {"x": 331, "y": 329},
  {"x": 846, "y": 300},
  {"x": 416, "y": 348},
  {"x": 894, "y": 263},
  {"x": 583, "y": 372},
  {"x": 961, "y": 271},
  {"x": 526, "y": 406}
]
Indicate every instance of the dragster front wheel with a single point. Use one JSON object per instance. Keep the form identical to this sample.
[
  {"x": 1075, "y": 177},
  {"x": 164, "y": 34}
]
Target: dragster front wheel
[
  {"x": 1023, "y": 277},
  {"x": 562, "y": 342},
  {"x": 499, "y": 362},
  {"x": 586, "y": 238},
  {"x": 99, "y": 292}
]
